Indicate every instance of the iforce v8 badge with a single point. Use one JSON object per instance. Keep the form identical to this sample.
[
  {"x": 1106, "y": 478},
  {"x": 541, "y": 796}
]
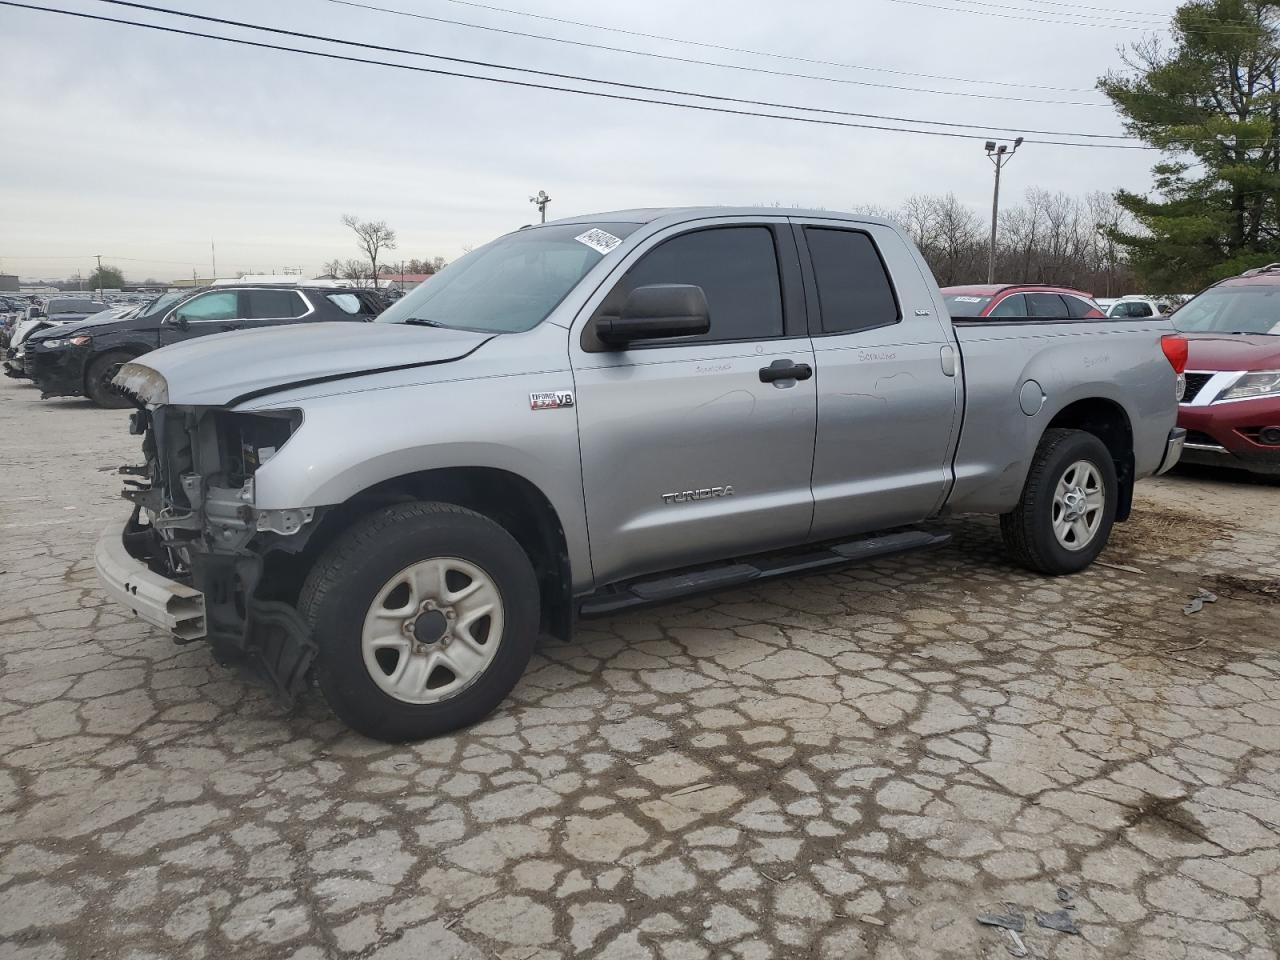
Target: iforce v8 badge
[{"x": 553, "y": 400}]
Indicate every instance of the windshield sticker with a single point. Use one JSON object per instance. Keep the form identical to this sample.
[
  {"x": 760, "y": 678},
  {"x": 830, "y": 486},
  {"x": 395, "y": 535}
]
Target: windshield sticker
[
  {"x": 598, "y": 240},
  {"x": 969, "y": 299}
]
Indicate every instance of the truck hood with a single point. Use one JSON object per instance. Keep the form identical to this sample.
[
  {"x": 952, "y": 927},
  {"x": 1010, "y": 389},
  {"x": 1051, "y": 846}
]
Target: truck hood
[
  {"x": 229, "y": 368},
  {"x": 1236, "y": 351}
]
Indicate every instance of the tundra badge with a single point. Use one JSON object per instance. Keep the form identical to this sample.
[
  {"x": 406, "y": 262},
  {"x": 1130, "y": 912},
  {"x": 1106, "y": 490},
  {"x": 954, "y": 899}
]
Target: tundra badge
[
  {"x": 706, "y": 493},
  {"x": 551, "y": 401}
]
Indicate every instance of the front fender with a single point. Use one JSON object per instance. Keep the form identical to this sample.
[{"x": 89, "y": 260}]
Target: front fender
[{"x": 353, "y": 441}]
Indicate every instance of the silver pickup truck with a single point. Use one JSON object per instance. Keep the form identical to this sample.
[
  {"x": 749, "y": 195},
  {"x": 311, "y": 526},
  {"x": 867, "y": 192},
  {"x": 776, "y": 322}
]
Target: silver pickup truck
[{"x": 601, "y": 413}]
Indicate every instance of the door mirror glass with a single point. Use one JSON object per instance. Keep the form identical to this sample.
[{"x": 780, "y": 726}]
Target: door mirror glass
[{"x": 657, "y": 312}]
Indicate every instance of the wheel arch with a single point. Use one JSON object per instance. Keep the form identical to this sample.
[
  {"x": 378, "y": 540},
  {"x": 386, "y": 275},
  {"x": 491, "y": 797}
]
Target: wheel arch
[
  {"x": 1107, "y": 420},
  {"x": 133, "y": 350},
  {"x": 510, "y": 500}
]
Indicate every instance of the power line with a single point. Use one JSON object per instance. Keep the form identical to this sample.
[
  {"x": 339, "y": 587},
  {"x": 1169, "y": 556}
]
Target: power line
[
  {"x": 773, "y": 105},
  {"x": 706, "y": 45},
  {"x": 1089, "y": 19},
  {"x": 1014, "y": 13},
  {"x": 1146, "y": 14},
  {"x": 660, "y": 56},
  {"x": 506, "y": 81}
]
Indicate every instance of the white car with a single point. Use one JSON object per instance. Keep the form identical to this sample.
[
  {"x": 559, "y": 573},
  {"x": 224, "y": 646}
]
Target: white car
[{"x": 1136, "y": 308}]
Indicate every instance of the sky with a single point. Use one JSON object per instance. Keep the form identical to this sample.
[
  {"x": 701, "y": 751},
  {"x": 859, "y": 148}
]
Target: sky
[{"x": 148, "y": 147}]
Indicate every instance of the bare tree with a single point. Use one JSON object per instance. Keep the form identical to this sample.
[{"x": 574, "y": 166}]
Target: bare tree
[
  {"x": 372, "y": 236},
  {"x": 357, "y": 271},
  {"x": 1048, "y": 238}
]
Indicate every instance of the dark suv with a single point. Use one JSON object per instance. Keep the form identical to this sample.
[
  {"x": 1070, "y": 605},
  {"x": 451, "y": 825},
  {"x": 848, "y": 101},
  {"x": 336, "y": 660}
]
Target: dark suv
[{"x": 80, "y": 359}]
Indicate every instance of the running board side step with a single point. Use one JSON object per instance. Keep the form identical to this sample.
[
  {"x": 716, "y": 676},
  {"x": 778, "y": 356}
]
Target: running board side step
[{"x": 640, "y": 593}]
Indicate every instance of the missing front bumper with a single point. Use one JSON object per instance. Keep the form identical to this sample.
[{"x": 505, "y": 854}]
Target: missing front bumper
[{"x": 165, "y": 603}]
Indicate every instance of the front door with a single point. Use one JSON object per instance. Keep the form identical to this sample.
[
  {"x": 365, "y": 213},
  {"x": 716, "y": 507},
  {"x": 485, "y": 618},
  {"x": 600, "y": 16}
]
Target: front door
[{"x": 689, "y": 453}]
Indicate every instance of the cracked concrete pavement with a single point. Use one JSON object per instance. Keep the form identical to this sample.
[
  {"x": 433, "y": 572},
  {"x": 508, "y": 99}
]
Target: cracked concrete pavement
[{"x": 853, "y": 764}]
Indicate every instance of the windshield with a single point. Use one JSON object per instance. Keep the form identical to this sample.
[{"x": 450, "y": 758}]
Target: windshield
[
  {"x": 162, "y": 303},
  {"x": 512, "y": 284},
  {"x": 959, "y": 306},
  {"x": 1252, "y": 309}
]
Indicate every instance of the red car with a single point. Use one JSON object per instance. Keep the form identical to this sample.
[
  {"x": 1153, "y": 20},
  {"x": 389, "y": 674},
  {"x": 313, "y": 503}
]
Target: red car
[
  {"x": 1020, "y": 300},
  {"x": 1231, "y": 407}
]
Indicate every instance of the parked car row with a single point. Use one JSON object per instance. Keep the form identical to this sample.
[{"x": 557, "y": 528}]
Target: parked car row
[{"x": 77, "y": 352}]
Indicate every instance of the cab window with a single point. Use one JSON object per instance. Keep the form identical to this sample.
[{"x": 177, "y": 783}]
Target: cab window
[
  {"x": 854, "y": 292},
  {"x": 737, "y": 269}
]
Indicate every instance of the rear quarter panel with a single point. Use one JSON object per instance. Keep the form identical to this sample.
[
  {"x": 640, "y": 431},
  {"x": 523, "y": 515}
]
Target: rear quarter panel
[{"x": 1116, "y": 360}]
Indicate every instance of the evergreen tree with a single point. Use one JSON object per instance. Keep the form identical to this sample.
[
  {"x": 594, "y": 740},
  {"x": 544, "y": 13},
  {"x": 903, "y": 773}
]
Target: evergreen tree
[{"x": 1211, "y": 100}]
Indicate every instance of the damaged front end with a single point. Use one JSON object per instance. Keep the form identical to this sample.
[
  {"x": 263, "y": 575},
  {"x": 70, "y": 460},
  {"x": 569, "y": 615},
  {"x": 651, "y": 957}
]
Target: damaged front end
[{"x": 195, "y": 523}]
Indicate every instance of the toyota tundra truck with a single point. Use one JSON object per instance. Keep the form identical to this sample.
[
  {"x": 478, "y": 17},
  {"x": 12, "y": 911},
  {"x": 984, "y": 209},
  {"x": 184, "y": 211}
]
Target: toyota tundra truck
[{"x": 600, "y": 413}]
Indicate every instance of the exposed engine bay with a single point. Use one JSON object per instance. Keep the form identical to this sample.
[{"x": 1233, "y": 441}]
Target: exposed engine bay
[{"x": 194, "y": 521}]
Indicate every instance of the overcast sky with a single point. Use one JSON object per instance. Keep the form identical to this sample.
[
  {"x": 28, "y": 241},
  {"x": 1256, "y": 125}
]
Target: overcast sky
[{"x": 147, "y": 146}]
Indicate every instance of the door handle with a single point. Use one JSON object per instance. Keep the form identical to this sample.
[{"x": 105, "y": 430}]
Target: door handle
[{"x": 785, "y": 370}]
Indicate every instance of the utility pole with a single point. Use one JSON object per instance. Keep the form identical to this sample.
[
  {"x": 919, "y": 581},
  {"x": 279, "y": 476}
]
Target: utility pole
[
  {"x": 998, "y": 156},
  {"x": 99, "y": 259},
  {"x": 540, "y": 201},
  {"x": 213, "y": 254}
]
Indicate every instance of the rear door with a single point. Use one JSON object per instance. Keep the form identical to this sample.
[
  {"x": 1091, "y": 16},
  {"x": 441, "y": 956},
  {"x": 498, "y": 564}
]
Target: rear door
[
  {"x": 889, "y": 392},
  {"x": 688, "y": 454}
]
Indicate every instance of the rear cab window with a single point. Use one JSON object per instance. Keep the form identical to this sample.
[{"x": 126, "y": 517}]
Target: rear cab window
[{"x": 854, "y": 290}]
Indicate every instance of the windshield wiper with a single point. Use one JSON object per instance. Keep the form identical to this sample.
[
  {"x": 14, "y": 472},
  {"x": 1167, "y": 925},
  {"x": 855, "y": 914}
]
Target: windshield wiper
[{"x": 424, "y": 322}]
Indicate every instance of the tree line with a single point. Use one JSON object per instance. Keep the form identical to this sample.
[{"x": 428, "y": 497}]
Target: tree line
[{"x": 1049, "y": 238}]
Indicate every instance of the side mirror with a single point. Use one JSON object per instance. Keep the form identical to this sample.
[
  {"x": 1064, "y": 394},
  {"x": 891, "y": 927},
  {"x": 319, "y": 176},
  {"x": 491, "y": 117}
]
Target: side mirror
[
  {"x": 657, "y": 312},
  {"x": 177, "y": 321}
]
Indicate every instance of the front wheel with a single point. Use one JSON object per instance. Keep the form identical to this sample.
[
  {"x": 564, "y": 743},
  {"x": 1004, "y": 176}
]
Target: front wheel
[
  {"x": 425, "y": 615},
  {"x": 1068, "y": 505},
  {"x": 97, "y": 380}
]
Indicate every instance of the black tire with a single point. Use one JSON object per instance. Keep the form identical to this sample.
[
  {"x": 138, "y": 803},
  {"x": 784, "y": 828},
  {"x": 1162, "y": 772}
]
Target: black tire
[
  {"x": 1028, "y": 528},
  {"x": 97, "y": 380},
  {"x": 346, "y": 580}
]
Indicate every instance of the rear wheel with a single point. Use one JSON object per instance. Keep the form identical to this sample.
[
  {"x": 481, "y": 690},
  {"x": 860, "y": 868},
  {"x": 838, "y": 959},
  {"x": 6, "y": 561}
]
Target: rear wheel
[
  {"x": 426, "y": 615},
  {"x": 97, "y": 380},
  {"x": 1068, "y": 505}
]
